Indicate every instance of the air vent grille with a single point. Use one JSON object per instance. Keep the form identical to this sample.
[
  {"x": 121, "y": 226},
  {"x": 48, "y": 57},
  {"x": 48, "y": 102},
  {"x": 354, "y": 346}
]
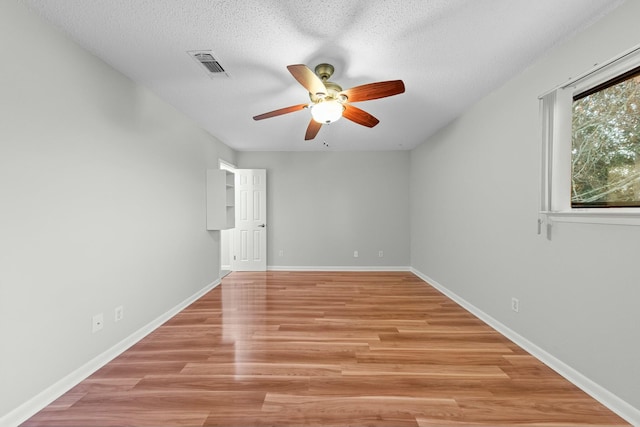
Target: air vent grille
[{"x": 211, "y": 64}]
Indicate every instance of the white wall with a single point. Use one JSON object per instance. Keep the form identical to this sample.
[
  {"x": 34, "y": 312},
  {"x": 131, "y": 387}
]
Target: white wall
[
  {"x": 321, "y": 206},
  {"x": 474, "y": 192},
  {"x": 102, "y": 193}
]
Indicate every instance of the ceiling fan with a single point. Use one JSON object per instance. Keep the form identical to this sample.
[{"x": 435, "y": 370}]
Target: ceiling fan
[{"x": 329, "y": 102}]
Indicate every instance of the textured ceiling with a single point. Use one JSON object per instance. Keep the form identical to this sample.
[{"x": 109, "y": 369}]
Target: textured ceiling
[{"x": 449, "y": 53}]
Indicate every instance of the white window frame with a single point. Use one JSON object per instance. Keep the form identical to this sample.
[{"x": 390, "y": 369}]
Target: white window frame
[{"x": 555, "y": 113}]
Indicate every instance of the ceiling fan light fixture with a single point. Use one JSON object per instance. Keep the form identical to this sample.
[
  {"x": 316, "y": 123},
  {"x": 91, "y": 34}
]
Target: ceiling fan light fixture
[
  {"x": 327, "y": 111},
  {"x": 329, "y": 102}
]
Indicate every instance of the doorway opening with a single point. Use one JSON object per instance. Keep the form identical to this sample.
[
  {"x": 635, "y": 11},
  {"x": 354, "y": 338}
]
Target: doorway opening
[{"x": 226, "y": 236}]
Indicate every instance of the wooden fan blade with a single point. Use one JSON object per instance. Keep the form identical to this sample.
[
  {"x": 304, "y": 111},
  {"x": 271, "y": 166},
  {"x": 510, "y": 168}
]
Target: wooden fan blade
[
  {"x": 359, "y": 116},
  {"x": 374, "y": 90},
  {"x": 280, "y": 112},
  {"x": 312, "y": 130},
  {"x": 307, "y": 78}
]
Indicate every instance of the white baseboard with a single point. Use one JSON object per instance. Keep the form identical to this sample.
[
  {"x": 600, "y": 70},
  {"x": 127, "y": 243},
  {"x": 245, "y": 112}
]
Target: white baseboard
[
  {"x": 336, "y": 268},
  {"x": 44, "y": 398},
  {"x": 630, "y": 413}
]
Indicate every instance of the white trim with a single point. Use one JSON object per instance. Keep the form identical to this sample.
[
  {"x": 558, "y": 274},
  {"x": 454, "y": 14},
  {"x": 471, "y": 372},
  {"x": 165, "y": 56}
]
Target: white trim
[
  {"x": 628, "y": 216},
  {"x": 601, "y": 394},
  {"x": 336, "y": 268},
  {"x": 44, "y": 398},
  {"x": 225, "y": 165}
]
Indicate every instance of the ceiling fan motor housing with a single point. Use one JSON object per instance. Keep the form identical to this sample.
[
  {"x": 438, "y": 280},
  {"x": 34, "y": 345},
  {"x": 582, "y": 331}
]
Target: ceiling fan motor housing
[
  {"x": 333, "y": 89},
  {"x": 325, "y": 71}
]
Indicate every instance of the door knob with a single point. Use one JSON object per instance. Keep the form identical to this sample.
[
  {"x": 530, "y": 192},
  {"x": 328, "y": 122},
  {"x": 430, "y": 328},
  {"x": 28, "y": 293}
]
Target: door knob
[{"x": 262, "y": 225}]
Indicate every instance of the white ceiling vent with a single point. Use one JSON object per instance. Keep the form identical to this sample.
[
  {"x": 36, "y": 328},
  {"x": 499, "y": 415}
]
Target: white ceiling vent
[{"x": 210, "y": 64}]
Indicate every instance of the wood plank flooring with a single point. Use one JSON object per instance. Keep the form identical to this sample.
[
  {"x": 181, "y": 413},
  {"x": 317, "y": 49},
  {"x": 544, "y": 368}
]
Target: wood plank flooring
[{"x": 324, "y": 349}]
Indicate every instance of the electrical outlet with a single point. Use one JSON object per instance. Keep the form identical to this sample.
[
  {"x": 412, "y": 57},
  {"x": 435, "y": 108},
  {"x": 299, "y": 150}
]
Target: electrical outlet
[
  {"x": 281, "y": 253},
  {"x": 97, "y": 322},
  {"x": 118, "y": 313},
  {"x": 355, "y": 254},
  {"x": 515, "y": 304},
  {"x": 380, "y": 254}
]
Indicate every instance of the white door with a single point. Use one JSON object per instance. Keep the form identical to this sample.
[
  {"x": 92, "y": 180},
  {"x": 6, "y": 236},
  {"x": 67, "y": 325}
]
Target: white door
[{"x": 250, "y": 234}]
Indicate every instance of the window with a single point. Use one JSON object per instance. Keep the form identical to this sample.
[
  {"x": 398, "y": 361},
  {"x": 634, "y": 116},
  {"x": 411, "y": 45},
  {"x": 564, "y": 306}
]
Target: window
[
  {"x": 591, "y": 144},
  {"x": 605, "y": 144}
]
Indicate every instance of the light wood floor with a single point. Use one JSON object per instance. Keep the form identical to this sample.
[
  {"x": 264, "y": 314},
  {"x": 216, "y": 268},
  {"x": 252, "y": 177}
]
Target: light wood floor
[{"x": 295, "y": 349}]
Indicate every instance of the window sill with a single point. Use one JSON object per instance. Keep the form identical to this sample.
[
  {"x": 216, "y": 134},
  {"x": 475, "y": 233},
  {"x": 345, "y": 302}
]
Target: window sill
[{"x": 611, "y": 216}]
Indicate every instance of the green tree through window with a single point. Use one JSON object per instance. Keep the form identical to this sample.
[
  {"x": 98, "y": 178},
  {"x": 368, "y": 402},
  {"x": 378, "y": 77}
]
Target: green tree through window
[{"x": 605, "y": 151}]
